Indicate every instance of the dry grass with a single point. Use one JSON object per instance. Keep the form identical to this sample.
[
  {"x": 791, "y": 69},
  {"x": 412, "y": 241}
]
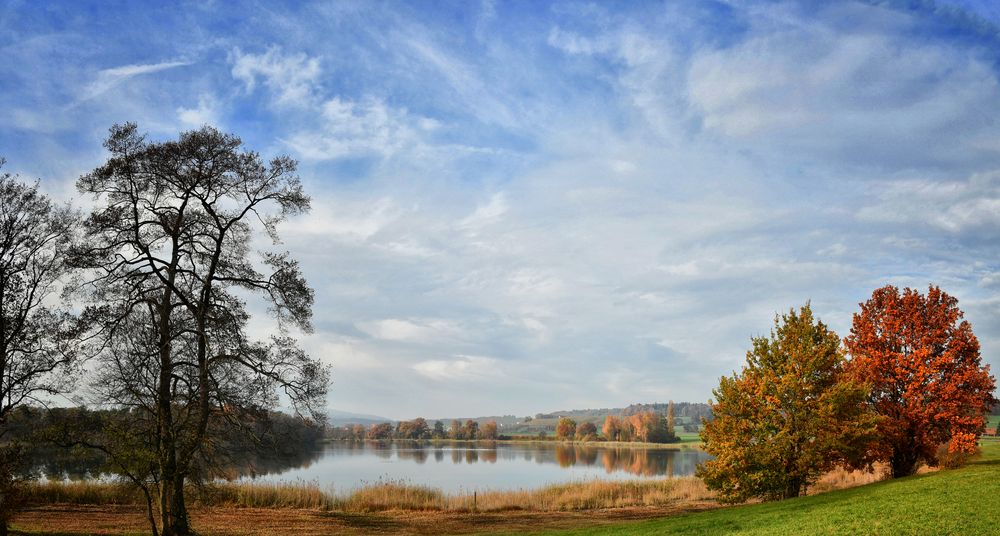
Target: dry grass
[
  {"x": 266, "y": 495},
  {"x": 596, "y": 494},
  {"x": 102, "y": 493}
]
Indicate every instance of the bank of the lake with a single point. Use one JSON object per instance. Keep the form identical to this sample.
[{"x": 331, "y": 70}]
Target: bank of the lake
[{"x": 686, "y": 441}]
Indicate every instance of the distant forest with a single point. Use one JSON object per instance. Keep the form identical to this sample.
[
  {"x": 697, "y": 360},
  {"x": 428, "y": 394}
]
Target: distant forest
[{"x": 687, "y": 418}]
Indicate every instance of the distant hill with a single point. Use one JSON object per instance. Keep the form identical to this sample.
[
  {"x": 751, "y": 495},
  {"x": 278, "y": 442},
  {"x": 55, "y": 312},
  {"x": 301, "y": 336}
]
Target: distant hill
[{"x": 341, "y": 418}]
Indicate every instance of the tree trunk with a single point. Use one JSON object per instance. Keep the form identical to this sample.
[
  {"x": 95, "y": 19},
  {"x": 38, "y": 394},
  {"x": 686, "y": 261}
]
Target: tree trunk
[
  {"x": 179, "y": 509},
  {"x": 793, "y": 488},
  {"x": 173, "y": 510},
  {"x": 904, "y": 463}
]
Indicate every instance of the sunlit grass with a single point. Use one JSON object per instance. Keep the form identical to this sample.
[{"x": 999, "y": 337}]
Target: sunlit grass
[{"x": 957, "y": 501}]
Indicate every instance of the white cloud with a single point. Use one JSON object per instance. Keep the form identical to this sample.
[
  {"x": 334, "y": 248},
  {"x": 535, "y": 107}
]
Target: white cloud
[
  {"x": 465, "y": 368},
  {"x": 292, "y": 78},
  {"x": 411, "y": 330},
  {"x": 205, "y": 113},
  {"x": 358, "y": 129}
]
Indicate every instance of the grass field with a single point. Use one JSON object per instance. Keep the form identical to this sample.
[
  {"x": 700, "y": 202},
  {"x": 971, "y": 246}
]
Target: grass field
[{"x": 961, "y": 501}]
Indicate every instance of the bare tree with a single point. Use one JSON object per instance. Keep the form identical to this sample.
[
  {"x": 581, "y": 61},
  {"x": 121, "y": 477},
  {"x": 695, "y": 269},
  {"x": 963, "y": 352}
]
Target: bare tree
[
  {"x": 34, "y": 335},
  {"x": 169, "y": 246}
]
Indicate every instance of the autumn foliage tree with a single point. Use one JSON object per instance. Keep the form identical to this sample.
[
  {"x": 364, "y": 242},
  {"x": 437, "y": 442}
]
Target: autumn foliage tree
[
  {"x": 489, "y": 431},
  {"x": 612, "y": 428},
  {"x": 566, "y": 428},
  {"x": 789, "y": 416},
  {"x": 586, "y": 431},
  {"x": 922, "y": 363}
]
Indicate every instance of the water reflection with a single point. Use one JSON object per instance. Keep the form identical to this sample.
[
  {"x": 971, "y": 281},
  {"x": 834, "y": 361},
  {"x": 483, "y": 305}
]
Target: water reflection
[
  {"x": 636, "y": 461},
  {"x": 449, "y": 465}
]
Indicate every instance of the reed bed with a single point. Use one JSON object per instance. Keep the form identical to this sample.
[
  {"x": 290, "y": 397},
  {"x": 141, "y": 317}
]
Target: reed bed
[
  {"x": 384, "y": 496},
  {"x": 393, "y": 495}
]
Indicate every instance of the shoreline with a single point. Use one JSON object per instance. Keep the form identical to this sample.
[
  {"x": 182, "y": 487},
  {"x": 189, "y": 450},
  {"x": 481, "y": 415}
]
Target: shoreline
[{"x": 679, "y": 445}]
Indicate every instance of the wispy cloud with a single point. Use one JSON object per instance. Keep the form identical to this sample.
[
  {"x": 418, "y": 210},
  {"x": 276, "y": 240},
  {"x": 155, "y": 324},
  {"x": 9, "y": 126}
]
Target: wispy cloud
[{"x": 107, "y": 79}]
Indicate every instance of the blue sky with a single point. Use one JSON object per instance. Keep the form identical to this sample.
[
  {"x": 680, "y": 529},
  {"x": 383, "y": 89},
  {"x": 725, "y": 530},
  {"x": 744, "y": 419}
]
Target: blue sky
[{"x": 527, "y": 206}]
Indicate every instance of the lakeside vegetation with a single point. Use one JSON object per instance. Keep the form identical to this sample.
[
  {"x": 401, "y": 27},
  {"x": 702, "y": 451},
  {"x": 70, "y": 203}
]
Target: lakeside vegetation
[{"x": 384, "y": 496}]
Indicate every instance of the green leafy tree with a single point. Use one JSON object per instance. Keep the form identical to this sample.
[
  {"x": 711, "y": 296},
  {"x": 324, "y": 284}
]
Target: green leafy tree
[{"x": 791, "y": 415}]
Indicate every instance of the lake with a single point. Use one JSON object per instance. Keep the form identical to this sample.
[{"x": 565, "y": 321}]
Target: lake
[{"x": 453, "y": 467}]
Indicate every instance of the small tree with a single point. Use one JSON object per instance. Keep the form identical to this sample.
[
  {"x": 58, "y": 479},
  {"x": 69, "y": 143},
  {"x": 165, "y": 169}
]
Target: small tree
[
  {"x": 470, "y": 430},
  {"x": 671, "y": 421},
  {"x": 455, "y": 432},
  {"x": 927, "y": 381},
  {"x": 612, "y": 428},
  {"x": 438, "y": 432},
  {"x": 566, "y": 428},
  {"x": 586, "y": 431},
  {"x": 382, "y": 430},
  {"x": 789, "y": 416},
  {"x": 36, "y": 349},
  {"x": 358, "y": 431},
  {"x": 489, "y": 431}
]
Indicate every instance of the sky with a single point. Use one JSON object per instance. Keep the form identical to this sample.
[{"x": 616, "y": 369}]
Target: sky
[{"x": 521, "y": 207}]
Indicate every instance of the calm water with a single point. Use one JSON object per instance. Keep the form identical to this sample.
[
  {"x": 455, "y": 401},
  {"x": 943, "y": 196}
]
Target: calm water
[{"x": 460, "y": 466}]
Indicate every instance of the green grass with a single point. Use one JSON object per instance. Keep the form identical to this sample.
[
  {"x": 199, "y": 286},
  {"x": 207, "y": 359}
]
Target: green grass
[{"x": 960, "y": 501}]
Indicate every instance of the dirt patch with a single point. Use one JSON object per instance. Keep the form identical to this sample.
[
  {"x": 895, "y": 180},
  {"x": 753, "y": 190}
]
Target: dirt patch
[{"x": 121, "y": 520}]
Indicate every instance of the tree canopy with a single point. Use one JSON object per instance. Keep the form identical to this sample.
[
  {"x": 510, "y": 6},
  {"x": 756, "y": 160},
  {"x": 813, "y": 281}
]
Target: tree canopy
[
  {"x": 921, "y": 362},
  {"x": 789, "y": 416}
]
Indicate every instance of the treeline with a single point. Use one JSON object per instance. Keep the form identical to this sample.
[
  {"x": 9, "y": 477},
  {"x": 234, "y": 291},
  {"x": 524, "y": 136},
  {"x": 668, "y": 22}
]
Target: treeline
[
  {"x": 72, "y": 442},
  {"x": 419, "y": 429},
  {"x": 646, "y": 427},
  {"x": 684, "y": 411}
]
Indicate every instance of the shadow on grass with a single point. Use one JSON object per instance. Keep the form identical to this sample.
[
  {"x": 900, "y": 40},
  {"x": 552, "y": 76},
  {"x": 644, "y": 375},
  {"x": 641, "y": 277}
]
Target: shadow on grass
[{"x": 364, "y": 521}]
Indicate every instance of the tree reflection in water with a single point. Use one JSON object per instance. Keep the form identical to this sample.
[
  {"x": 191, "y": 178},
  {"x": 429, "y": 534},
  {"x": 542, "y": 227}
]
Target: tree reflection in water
[{"x": 645, "y": 462}]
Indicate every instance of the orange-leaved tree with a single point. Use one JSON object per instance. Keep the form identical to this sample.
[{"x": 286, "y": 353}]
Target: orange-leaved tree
[
  {"x": 789, "y": 416},
  {"x": 922, "y": 364},
  {"x": 612, "y": 428},
  {"x": 566, "y": 428}
]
